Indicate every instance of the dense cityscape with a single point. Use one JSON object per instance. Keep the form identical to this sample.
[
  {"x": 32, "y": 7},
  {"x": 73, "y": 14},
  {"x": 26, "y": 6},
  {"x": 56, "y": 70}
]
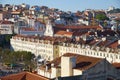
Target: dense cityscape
[{"x": 42, "y": 43}]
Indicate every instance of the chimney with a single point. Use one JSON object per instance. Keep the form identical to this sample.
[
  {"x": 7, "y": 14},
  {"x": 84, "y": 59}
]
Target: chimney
[
  {"x": 104, "y": 39},
  {"x": 67, "y": 65},
  {"x": 77, "y": 38},
  {"x": 96, "y": 34},
  {"x": 46, "y": 68},
  {"x": 118, "y": 42},
  {"x": 68, "y": 30},
  {"x": 52, "y": 65}
]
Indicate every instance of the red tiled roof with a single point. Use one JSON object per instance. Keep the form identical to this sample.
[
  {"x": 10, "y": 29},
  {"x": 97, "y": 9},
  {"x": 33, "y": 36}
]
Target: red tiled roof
[
  {"x": 79, "y": 33},
  {"x": 6, "y": 22},
  {"x": 116, "y": 65},
  {"x": 27, "y": 29},
  {"x": 114, "y": 45},
  {"x": 93, "y": 42},
  {"x": 118, "y": 19},
  {"x": 80, "y": 27},
  {"x": 45, "y": 38},
  {"x": 15, "y": 12},
  {"x": 59, "y": 25},
  {"x": 103, "y": 43},
  {"x": 82, "y": 62},
  {"x": 24, "y": 76},
  {"x": 64, "y": 33}
]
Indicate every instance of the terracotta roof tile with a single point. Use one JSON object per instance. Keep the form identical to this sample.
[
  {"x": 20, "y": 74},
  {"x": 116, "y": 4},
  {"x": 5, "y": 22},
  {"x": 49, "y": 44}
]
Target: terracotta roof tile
[
  {"x": 27, "y": 29},
  {"x": 114, "y": 45},
  {"x": 103, "y": 43},
  {"x": 118, "y": 19},
  {"x": 93, "y": 42},
  {"x": 82, "y": 62},
  {"x": 24, "y": 76},
  {"x": 116, "y": 65},
  {"x": 64, "y": 33},
  {"x": 53, "y": 40},
  {"x": 6, "y": 22},
  {"x": 79, "y": 27},
  {"x": 79, "y": 33},
  {"x": 15, "y": 12}
]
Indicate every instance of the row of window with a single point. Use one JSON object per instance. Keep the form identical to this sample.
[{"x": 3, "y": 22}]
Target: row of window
[
  {"x": 90, "y": 52},
  {"x": 45, "y": 46},
  {"x": 44, "y": 51}
]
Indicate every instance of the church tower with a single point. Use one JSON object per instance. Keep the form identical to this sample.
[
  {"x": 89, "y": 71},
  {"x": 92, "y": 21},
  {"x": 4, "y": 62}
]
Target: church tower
[{"x": 49, "y": 29}]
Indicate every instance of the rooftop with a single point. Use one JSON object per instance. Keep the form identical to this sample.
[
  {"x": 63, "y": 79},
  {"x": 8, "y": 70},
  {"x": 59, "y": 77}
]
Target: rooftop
[
  {"x": 24, "y": 76},
  {"x": 6, "y": 22},
  {"x": 63, "y": 33},
  {"x": 45, "y": 38},
  {"x": 116, "y": 65},
  {"x": 79, "y": 27},
  {"x": 82, "y": 62}
]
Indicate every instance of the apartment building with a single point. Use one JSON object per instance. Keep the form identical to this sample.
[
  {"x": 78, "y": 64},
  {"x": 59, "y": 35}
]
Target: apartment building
[
  {"x": 6, "y": 27},
  {"x": 111, "y": 54},
  {"x": 50, "y": 47},
  {"x": 46, "y": 47},
  {"x": 71, "y": 64}
]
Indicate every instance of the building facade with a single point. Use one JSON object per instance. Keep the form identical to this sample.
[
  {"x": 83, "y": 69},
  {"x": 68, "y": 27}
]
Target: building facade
[
  {"x": 36, "y": 46},
  {"x": 6, "y": 27},
  {"x": 50, "y": 48},
  {"x": 89, "y": 68}
]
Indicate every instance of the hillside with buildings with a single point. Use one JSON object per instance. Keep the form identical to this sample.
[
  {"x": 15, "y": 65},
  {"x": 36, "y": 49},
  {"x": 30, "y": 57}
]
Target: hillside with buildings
[{"x": 81, "y": 45}]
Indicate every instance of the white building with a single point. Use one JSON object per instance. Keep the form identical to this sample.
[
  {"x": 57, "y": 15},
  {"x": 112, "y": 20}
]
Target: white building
[
  {"x": 32, "y": 31},
  {"x": 83, "y": 21},
  {"x": 6, "y": 27},
  {"x": 51, "y": 47},
  {"x": 60, "y": 21},
  {"x": 33, "y": 44},
  {"x": 18, "y": 25},
  {"x": 70, "y": 64},
  {"x": 93, "y": 51}
]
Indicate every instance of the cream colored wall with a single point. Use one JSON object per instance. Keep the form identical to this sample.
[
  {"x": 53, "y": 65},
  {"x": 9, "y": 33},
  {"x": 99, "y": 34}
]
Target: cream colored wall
[
  {"x": 54, "y": 72},
  {"x": 44, "y": 73},
  {"x": 66, "y": 67},
  {"x": 77, "y": 72},
  {"x": 42, "y": 49},
  {"x": 47, "y": 50},
  {"x": 1, "y": 16},
  {"x": 83, "y": 50}
]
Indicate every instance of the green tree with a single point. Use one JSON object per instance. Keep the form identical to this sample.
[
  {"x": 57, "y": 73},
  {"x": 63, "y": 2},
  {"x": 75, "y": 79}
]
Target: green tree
[
  {"x": 101, "y": 17},
  {"x": 7, "y": 38},
  {"x": 16, "y": 57}
]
